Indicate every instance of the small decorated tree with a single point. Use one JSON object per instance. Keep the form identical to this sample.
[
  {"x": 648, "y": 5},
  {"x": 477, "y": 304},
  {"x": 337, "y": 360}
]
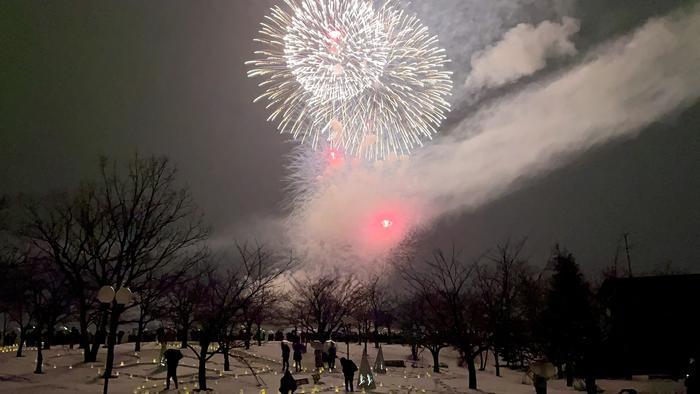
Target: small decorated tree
[
  {"x": 379, "y": 366},
  {"x": 365, "y": 380}
]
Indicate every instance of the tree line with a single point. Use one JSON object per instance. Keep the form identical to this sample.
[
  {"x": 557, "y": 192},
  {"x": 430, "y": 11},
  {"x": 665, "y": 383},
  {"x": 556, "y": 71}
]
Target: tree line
[
  {"x": 496, "y": 306},
  {"x": 136, "y": 226}
]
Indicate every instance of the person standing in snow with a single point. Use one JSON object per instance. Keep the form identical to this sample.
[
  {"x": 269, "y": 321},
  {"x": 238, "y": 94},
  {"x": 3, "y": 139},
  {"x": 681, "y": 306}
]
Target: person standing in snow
[
  {"x": 349, "y": 369},
  {"x": 332, "y": 353},
  {"x": 172, "y": 359},
  {"x": 285, "y": 355},
  {"x": 298, "y": 347}
]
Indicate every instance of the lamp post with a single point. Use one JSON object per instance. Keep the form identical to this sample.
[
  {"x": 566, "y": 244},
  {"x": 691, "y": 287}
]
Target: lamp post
[
  {"x": 117, "y": 299},
  {"x": 346, "y": 326}
]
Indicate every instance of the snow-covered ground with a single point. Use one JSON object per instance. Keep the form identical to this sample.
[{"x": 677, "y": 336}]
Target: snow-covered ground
[{"x": 64, "y": 373}]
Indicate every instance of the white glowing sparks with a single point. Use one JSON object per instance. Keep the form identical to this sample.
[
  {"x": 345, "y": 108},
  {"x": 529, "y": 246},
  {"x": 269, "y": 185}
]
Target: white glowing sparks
[
  {"x": 335, "y": 35},
  {"x": 370, "y": 81},
  {"x": 334, "y": 48},
  {"x": 386, "y": 223}
]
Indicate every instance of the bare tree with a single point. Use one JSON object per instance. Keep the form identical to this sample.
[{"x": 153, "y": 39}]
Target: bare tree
[
  {"x": 500, "y": 284},
  {"x": 411, "y": 329},
  {"x": 362, "y": 314},
  {"x": 266, "y": 309},
  {"x": 227, "y": 340},
  {"x": 6, "y": 259},
  {"x": 151, "y": 299},
  {"x": 248, "y": 312},
  {"x": 258, "y": 310},
  {"x": 381, "y": 304},
  {"x": 445, "y": 285},
  {"x": 34, "y": 297},
  {"x": 320, "y": 304},
  {"x": 225, "y": 294},
  {"x": 61, "y": 226},
  {"x": 151, "y": 226},
  {"x": 16, "y": 295},
  {"x": 124, "y": 230},
  {"x": 182, "y": 300},
  {"x": 48, "y": 301},
  {"x": 421, "y": 328}
]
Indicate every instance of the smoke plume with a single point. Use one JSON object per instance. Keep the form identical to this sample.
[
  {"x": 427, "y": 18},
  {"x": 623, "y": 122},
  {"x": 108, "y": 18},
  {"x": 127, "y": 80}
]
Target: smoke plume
[
  {"x": 620, "y": 88},
  {"x": 524, "y": 50}
]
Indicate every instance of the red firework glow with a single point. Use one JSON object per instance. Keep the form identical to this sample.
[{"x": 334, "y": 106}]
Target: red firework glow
[
  {"x": 334, "y": 157},
  {"x": 386, "y": 223},
  {"x": 387, "y": 227}
]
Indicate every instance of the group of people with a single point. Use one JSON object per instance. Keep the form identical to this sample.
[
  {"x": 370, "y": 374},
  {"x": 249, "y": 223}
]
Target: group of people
[
  {"x": 32, "y": 337},
  {"x": 289, "y": 384},
  {"x": 172, "y": 357},
  {"x": 299, "y": 348}
]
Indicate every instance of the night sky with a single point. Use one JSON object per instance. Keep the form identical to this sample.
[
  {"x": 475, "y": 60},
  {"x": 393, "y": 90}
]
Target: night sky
[{"x": 84, "y": 78}]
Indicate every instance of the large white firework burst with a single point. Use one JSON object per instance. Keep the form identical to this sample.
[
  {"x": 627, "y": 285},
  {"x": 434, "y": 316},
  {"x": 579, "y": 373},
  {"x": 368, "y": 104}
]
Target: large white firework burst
[{"x": 370, "y": 81}]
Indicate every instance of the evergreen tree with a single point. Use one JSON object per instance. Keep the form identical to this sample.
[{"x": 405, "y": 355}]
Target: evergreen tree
[{"x": 569, "y": 325}]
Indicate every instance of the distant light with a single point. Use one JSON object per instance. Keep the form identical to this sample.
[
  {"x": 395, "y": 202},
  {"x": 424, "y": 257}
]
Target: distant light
[{"x": 386, "y": 223}]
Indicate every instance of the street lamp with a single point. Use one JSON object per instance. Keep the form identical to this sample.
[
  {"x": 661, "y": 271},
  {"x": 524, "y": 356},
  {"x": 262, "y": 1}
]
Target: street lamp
[
  {"x": 106, "y": 295},
  {"x": 118, "y": 299}
]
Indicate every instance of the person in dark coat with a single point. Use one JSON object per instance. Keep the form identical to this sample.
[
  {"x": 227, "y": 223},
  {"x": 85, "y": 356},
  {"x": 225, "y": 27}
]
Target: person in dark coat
[
  {"x": 74, "y": 336},
  {"x": 172, "y": 359},
  {"x": 332, "y": 354},
  {"x": 349, "y": 369},
  {"x": 160, "y": 335},
  {"x": 540, "y": 383},
  {"x": 298, "y": 348},
  {"x": 285, "y": 356},
  {"x": 287, "y": 383},
  {"x": 691, "y": 378}
]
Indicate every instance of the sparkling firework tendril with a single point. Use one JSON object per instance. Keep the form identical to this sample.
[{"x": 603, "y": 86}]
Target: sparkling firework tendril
[{"x": 371, "y": 82}]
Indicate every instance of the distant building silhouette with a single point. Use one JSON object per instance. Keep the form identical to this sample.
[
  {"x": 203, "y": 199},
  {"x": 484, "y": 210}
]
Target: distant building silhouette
[{"x": 651, "y": 323}]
